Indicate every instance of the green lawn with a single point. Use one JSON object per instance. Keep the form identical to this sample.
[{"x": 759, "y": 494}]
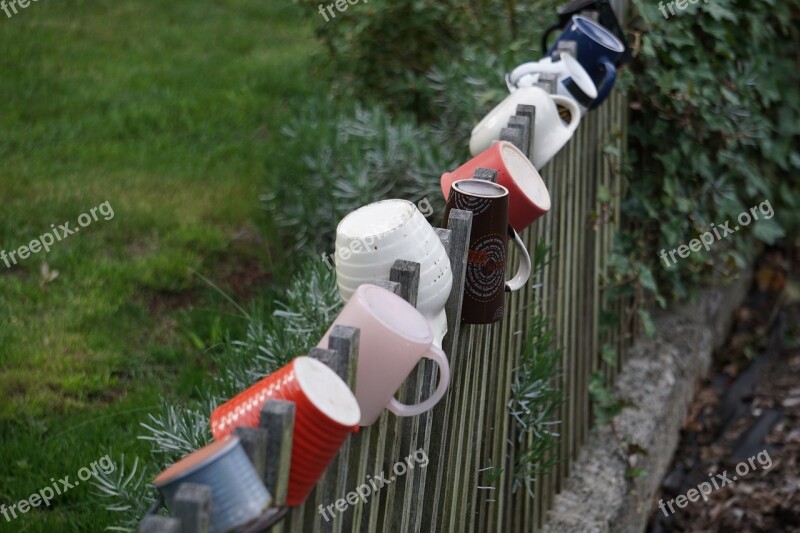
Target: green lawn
[{"x": 169, "y": 112}]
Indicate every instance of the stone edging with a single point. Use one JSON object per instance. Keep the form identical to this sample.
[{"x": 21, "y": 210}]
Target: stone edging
[{"x": 659, "y": 379}]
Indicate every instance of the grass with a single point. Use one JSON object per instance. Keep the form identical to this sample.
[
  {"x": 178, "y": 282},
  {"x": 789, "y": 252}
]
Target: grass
[{"x": 168, "y": 112}]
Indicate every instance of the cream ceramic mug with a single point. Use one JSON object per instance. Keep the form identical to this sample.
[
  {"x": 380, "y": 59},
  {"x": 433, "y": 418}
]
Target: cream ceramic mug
[
  {"x": 370, "y": 239},
  {"x": 550, "y": 133},
  {"x": 394, "y": 338}
]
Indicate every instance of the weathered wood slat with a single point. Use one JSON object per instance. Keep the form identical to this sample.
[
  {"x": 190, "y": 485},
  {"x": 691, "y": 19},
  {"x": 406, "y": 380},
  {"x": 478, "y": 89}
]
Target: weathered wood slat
[
  {"x": 277, "y": 418},
  {"x": 160, "y": 524},
  {"x": 193, "y": 507}
]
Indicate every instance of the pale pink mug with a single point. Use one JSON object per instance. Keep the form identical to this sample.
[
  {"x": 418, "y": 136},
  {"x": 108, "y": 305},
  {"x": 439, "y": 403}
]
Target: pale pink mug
[{"x": 394, "y": 338}]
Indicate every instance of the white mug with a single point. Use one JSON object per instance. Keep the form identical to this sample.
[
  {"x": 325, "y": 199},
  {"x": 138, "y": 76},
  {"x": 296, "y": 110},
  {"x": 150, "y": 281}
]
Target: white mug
[
  {"x": 572, "y": 80},
  {"x": 370, "y": 239},
  {"x": 550, "y": 133}
]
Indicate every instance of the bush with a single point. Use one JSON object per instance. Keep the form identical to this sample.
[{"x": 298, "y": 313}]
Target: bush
[
  {"x": 384, "y": 49},
  {"x": 354, "y": 157},
  {"x": 713, "y": 130}
]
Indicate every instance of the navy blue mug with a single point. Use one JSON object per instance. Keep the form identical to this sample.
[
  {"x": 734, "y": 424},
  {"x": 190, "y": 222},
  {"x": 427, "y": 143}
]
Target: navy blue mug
[{"x": 598, "y": 51}]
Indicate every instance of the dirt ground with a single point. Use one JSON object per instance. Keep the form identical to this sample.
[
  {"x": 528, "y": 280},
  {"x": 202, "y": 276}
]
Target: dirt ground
[{"x": 740, "y": 444}]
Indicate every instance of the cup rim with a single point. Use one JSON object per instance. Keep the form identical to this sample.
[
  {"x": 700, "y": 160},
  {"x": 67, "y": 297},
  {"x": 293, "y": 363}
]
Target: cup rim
[
  {"x": 200, "y": 458},
  {"x": 532, "y": 196},
  {"x": 579, "y": 75},
  {"x": 317, "y": 398},
  {"x": 618, "y": 45},
  {"x": 502, "y": 191}
]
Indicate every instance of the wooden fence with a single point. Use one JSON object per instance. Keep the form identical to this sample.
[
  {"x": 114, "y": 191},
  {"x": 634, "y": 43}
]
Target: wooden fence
[{"x": 469, "y": 436}]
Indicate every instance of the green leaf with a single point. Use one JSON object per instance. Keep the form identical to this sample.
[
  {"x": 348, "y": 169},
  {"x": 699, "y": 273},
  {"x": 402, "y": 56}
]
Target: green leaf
[
  {"x": 768, "y": 231},
  {"x": 609, "y": 354},
  {"x": 647, "y": 322},
  {"x": 646, "y": 278},
  {"x": 719, "y": 12},
  {"x": 730, "y": 96},
  {"x": 635, "y": 472},
  {"x": 603, "y": 194}
]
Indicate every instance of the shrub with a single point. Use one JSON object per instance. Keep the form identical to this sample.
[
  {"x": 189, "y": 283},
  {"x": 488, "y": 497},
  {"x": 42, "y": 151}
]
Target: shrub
[
  {"x": 713, "y": 130},
  {"x": 384, "y": 49}
]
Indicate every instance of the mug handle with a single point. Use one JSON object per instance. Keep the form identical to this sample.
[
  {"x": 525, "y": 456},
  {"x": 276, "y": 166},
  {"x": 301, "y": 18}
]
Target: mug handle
[
  {"x": 574, "y": 110},
  {"x": 547, "y": 33},
  {"x": 437, "y": 356},
  {"x": 524, "y": 270},
  {"x": 511, "y": 87},
  {"x": 519, "y": 71},
  {"x": 607, "y": 84}
]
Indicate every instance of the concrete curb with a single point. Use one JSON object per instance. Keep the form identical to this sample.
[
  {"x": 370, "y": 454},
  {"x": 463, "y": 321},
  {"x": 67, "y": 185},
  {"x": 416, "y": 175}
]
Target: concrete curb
[{"x": 659, "y": 379}]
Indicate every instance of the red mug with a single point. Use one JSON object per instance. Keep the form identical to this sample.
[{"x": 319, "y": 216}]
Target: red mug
[
  {"x": 528, "y": 198},
  {"x": 326, "y": 412}
]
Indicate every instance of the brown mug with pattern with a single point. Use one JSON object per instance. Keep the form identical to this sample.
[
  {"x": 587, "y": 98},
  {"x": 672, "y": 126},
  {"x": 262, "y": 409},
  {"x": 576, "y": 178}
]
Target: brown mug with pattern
[{"x": 485, "y": 282}]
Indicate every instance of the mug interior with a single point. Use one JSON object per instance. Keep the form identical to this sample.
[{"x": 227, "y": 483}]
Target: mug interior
[
  {"x": 480, "y": 188},
  {"x": 580, "y": 76},
  {"x": 326, "y": 391},
  {"x": 525, "y": 175},
  {"x": 598, "y": 33}
]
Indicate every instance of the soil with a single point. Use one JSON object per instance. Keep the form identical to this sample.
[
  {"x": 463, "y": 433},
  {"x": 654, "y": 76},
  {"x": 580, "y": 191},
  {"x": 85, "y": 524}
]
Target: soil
[{"x": 740, "y": 443}]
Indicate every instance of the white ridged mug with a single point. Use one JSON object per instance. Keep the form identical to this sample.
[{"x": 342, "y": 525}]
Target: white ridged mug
[{"x": 370, "y": 239}]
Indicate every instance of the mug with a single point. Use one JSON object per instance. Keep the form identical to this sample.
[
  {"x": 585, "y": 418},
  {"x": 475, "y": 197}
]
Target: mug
[
  {"x": 237, "y": 494},
  {"x": 598, "y": 49},
  {"x": 604, "y": 14},
  {"x": 370, "y": 239},
  {"x": 394, "y": 338},
  {"x": 572, "y": 80},
  {"x": 528, "y": 198},
  {"x": 550, "y": 133},
  {"x": 484, "y": 282},
  {"x": 326, "y": 412}
]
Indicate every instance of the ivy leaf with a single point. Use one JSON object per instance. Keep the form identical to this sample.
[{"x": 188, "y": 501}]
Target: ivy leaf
[
  {"x": 647, "y": 322},
  {"x": 719, "y": 12},
  {"x": 609, "y": 354},
  {"x": 768, "y": 231},
  {"x": 603, "y": 194},
  {"x": 646, "y": 278},
  {"x": 684, "y": 205},
  {"x": 730, "y": 96},
  {"x": 648, "y": 281},
  {"x": 635, "y": 472}
]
